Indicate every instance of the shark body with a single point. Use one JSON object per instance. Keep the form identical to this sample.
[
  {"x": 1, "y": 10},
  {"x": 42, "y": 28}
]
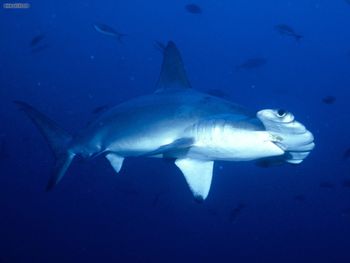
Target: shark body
[{"x": 177, "y": 122}]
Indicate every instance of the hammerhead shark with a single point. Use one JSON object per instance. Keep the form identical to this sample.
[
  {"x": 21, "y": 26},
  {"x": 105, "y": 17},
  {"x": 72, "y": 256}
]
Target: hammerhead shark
[{"x": 178, "y": 123}]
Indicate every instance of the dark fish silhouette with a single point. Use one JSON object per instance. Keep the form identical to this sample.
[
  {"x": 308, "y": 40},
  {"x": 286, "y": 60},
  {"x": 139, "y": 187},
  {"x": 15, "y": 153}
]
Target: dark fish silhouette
[
  {"x": 36, "y": 40},
  {"x": 346, "y": 154},
  {"x": 300, "y": 198},
  {"x": 252, "y": 63},
  {"x": 329, "y": 99},
  {"x": 346, "y": 183},
  {"x": 286, "y": 30},
  {"x": 327, "y": 185},
  {"x": 193, "y": 9},
  {"x": 100, "y": 109},
  {"x": 109, "y": 31},
  {"x": 236, "y": 212}
]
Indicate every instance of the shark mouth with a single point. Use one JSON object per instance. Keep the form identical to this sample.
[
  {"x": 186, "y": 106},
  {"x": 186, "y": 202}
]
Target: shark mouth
[{"x": 288, "y": 134}]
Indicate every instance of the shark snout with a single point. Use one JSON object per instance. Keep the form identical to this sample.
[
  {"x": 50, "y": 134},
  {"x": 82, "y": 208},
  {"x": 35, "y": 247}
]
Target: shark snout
[{"x": 290, "y": 135}]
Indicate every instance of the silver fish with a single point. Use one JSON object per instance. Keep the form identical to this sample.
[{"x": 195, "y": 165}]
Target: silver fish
[
  {"x": 177, "y": 122},
  {"x": 109, "y": 31},
  {"x": 37, "y": 40},
  {"x": 287, "y": 30}
]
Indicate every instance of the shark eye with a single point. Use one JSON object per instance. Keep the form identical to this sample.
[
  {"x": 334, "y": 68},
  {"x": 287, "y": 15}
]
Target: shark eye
[{"x": 281, "y": 113}]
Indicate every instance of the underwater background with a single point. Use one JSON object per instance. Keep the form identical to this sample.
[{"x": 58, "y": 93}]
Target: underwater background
[{"x": 52, "y": 57}]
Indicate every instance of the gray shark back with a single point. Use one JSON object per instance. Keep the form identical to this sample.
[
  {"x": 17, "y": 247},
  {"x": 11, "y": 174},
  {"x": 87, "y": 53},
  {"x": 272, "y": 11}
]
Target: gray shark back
[{"x": 163, "y": 115}]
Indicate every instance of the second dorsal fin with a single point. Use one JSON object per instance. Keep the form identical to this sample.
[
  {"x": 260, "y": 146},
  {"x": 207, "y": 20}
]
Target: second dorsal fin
[{"x": 172, "y": 74}]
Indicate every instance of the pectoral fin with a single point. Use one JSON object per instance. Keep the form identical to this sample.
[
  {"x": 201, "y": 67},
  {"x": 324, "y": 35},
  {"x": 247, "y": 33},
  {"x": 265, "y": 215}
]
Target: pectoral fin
[
  {"x": 198, "y": 175},
  {"x": 115, "y": 160}
]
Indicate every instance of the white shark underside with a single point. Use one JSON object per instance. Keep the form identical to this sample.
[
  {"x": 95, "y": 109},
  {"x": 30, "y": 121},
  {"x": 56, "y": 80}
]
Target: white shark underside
[{"x": 178, "y": 122}]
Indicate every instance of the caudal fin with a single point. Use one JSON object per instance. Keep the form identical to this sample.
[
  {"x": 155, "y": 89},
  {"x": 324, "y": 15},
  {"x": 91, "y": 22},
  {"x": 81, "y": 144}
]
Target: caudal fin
[{"x": 57, "y": 138}]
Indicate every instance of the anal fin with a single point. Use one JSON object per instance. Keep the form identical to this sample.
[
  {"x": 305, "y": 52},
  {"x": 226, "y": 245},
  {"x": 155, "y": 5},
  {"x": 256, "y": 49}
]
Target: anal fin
[{"x": 198, "y": 175}]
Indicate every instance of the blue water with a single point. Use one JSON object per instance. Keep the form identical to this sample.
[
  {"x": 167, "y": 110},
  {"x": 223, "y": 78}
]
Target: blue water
[{"x": 147, "y": 213}]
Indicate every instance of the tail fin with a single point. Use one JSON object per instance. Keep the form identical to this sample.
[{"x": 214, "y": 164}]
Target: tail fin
[{"x": 57, "y": 138}]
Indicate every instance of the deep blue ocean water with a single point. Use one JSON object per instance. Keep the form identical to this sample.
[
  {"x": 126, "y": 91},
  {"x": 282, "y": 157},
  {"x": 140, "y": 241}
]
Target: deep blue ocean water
[{"x": 147, "y": 213}]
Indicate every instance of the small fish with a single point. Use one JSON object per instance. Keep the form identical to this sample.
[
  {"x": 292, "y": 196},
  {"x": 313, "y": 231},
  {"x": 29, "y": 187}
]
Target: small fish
[
  {"x": 346, "y": 183},
  {"x": 252, "y": 63},
  {"x": 236, "y": 212},
  {"x": 100, "y": 109},
  {"x": 328, "y": 185},
  {"x": 300, "y": 198},
  {"x": 286, "y": 30},
  {"x": 193, "y": 9},
  {"x": 109, "y": 31},
  {"x": 346, "y": 154},
  {"x": 329, "y": 99},
  {"x": 37, "y": 39}
]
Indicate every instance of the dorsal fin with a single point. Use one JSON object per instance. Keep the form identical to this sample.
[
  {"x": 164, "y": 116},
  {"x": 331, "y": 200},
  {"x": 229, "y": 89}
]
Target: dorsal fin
[{"x": 172, "y": 74}]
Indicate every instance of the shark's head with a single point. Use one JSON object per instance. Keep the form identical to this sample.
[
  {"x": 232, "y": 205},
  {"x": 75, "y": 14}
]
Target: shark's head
[{"x": 290, "y": 135}]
